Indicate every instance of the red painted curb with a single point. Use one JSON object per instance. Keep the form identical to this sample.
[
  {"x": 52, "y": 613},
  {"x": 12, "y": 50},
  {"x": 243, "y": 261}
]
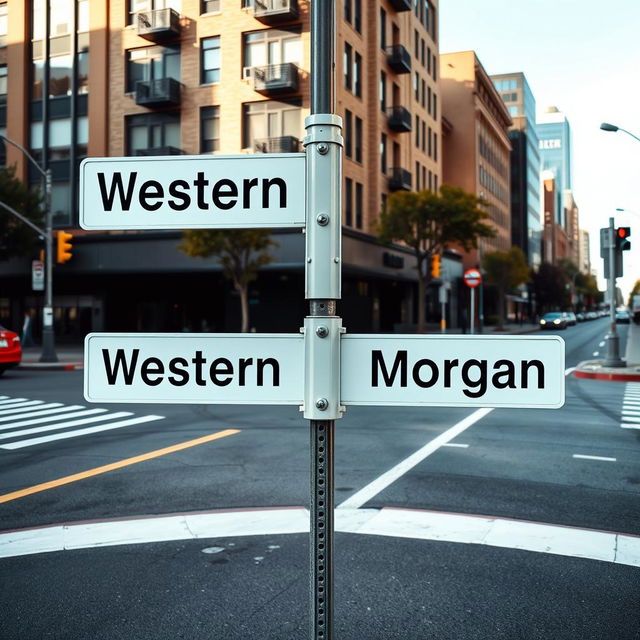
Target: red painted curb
[{"x": 611, "y": 377}]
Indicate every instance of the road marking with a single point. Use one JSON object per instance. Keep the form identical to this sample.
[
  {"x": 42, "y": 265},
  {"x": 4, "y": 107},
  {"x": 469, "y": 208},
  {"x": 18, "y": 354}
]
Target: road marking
[
  {"x": 32, "y": 414},
  {"x": 90, "y": 473},
  {"x": 12, "y": 400},
  {"x": 585, "y": 457},
  {"x": 455, "y": 444},
  {"x": 596, "y": 353},
  {"x": 628, "y": 425},
  {"x": 64, "y": 416},
  {"x": 569, "y": 370},
  {"x": 601, "y": 344},
  {"x": 26, "y": 409},
  {"x": 436, "y": 526},
  {"x": 68, "y": 423},
  {"x": 18, "y": 406},
  {"x": 379, "y": 484},
  {"x": 630, "y": 419},
  {"x": 81, "y": 432}
]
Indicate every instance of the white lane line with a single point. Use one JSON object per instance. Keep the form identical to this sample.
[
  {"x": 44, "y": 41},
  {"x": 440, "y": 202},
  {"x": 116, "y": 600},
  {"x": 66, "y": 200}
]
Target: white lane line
[
  {"x": 24, "y": 409},
  {"x": 79, "y": 432},
  {"x": 12, "y": 401},
  {"x": 630, "y": 411},
  {"x": 628, "y": 425},
  {"x": 64, "y": 425},
  {"x": 630, "y": 419},
  {"x": 397, "y": 523},
  {"x": 4, "y": 397},
  {"x": 455, "y": 444},
  {"x": 581, "y": 456},
  {"x": 596, "y": 353},
  {"x": 601, "y": 344},
  {"x": 64, "y": 416},
  {"x": 379, "y": 484},
  {"x": 19, "y": 405},
  {"x": 39, "y": 412}
]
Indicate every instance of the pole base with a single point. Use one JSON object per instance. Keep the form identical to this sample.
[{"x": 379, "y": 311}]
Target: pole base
[
  {"x": 48, "y": 346},
  {"x": 614, "y": 363}
]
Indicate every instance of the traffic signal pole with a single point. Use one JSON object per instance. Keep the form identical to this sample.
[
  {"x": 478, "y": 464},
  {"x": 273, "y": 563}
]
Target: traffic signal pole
[{"x": 613, "y": 340}]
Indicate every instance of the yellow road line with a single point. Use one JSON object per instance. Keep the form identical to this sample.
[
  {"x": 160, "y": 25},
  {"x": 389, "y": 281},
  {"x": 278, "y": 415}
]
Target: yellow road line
[{"x": 7, "y": 497}]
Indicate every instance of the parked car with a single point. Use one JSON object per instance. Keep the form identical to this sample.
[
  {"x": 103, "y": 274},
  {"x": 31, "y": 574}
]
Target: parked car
[
  {"x": 10, "y": 349},
  {"x": 570, "y": 317},
  {"x": 592, "y": 315},
  {"x": 580, "y": 316},
  {"x": 553, "y": 320},
  {"x": 623, "y": 317}
]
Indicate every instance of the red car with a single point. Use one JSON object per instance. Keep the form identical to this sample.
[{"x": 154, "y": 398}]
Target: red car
[{"x": 10, "y": 349}]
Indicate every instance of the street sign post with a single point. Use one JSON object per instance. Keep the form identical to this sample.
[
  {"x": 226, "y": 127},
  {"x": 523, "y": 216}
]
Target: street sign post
[
  {"x": 472, "y": 278},
  {"x": 193, "y": 192}
]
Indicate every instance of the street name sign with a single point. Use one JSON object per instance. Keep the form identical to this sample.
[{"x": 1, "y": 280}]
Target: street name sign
[
  {"x": 37, "y": 275},
  {"x": 194, "y": 368},
  {"x": 452, "y": 371},
  {"x": 193, "y": 192}
]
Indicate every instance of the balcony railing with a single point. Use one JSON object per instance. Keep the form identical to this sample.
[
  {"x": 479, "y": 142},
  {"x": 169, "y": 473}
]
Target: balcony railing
[
  {"x": 162, "y": 92},
  {"x": 159, "y": 151},
  {"x": 399, "y": 119},
  {"x": 401, "y": 5},
  {"x": 158, "y": 25},
  {"x": 399, "y": 58},
  {"x": 400, "y": 179},
  {"x": 275, "y": 78},
  {"x": 283, "y": 144},
  {"x": 275, "y": 11}
]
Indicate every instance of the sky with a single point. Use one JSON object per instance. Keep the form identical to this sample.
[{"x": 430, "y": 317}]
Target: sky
[{"x": 584, "y": 58}]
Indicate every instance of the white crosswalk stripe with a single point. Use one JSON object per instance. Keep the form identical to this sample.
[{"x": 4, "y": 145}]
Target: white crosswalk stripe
[
  {"x": 631, "y": 406},
  {"x": 57, "y": 421}
]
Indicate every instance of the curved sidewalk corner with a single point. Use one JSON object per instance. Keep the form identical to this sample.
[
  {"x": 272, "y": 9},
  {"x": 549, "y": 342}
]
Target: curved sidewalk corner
[{"x": 595, "y": 370}]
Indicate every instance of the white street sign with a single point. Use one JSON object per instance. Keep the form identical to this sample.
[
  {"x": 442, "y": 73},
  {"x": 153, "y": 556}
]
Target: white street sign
[
  {"x": 193, "y": 192},
  {"x": 37, "y": 275},
  {"x": 453, "y": 371},
  {"x": 195, "y": 368}
]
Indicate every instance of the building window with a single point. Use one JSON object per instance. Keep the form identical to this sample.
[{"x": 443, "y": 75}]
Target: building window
[
  {"x": 383, "y": 91},
  {"x": 416, "y": 86},
  {"x": 210, "y": 60},
  {"x": 358, "y": 139},
  {"x": 435, "y": 146},
  {"x": 430, "y": 145},
  {"x": 383, "y": 153},
  {"x": 357, "y": 75},
  {"x": 348, "y": 135},
  {"x": 145, "y": 5},
  {"x": 435, "y": 106},
  {"x": 417, "y": 131},
  {"x": 271, "y": 119},
  {"x": 423, "y": 93},
  {"x": 434, "y": 69},
  {"x": 416, "y": 43},
  {"x": 152, "y": 131},
  {"x": 359, "y": 205},
  {"x": 348, "y": 66},
  {"x": 210, "y": 6},
  {"x": 417, "y": 176},
  {"x": 152, "y": 63},
  {"x": 357, "y": 15},
  {"x": 422, "y": 52},
  {"x": 3, "y": 85},
  {"x": 209, "y": 129},
  {"x": 4, "y": 24},
  {"x": 348, "y": 202},
  {"x": 272, "y": 46},
  {"x": 383, "y": 29},
  {"x": 424, "y": 129},
  {"x": 347, "y": 10}
]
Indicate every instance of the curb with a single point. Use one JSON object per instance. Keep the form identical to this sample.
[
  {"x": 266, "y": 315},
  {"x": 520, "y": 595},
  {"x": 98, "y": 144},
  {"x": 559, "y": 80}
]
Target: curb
[
  {"x": 593, "y": 370},
  {"x": 51, "y": 366}
]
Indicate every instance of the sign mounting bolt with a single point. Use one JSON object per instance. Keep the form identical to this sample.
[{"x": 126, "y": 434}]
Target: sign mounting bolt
[
  {"x": 322, "y": 331},
  {"x": 323, "y": 148},
  {"x": 322, "y": 404},
  {"x": 322, "y": 219}
]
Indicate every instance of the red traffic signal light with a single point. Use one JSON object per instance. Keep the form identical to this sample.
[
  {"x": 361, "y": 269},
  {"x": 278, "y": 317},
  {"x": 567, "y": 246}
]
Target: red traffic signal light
[{"x": 622, "y": 235}]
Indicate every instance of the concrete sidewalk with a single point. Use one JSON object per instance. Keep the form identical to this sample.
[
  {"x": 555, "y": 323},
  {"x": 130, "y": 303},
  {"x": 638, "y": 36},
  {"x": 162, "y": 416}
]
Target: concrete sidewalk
[
  {"x": 71, "y": 357},
  {"x": 595, "y": 370}
]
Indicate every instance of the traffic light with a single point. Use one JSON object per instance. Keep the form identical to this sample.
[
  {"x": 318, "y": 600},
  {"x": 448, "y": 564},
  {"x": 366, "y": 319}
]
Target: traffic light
[
  {"x": 64, "y": 246},
  {"x": 435, "y": 265},
  {"x": 622, "y": 238}
]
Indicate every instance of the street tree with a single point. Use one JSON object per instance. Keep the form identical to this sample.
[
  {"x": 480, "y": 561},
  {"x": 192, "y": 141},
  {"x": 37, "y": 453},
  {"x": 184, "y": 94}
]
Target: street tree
[
  {"x": 550, "y": 287},
  {"x": 17, "y": 238},
  {"x": 506, "y": 270},
  {"x": 429, "y": 222},
  {"x": 241, "y": 253}
]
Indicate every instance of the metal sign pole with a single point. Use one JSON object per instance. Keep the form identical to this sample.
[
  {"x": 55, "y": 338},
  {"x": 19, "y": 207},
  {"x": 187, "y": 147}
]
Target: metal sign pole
[
  {"x": 323, "y": 146},
  {"x": 472, "y": 315}
]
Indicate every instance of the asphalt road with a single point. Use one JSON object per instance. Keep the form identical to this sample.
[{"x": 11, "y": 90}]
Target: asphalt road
[{"x": 564, "y": 486}]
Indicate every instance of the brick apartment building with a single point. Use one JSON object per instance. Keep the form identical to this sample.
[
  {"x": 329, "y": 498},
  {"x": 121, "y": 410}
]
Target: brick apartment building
[{"x": 164, "y": 77}]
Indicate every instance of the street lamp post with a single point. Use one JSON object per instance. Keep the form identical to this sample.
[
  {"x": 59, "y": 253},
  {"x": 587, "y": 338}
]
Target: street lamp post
[{"x": 48, "y": 335}]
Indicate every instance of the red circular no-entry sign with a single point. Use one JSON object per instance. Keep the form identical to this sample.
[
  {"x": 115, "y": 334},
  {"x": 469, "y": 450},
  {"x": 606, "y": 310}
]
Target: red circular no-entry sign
[{"x": 472, "y": 277}]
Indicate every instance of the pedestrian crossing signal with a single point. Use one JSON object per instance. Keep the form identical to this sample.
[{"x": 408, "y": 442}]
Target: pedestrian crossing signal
[{"x": 64, "y": 246}]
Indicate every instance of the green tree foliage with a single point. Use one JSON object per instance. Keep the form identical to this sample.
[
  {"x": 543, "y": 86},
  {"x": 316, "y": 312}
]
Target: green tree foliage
[
  {"x": 429, "y": 222},
  {"x": 550, "y": 287},
  {"x": 241, "y": 252},
  {"x": 506, "y": 270},
  {"x": 17, "y": 238}
]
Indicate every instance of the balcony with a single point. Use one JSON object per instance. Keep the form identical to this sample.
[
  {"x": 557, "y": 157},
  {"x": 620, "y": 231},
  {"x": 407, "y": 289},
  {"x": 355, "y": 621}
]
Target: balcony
[
  {"x": 159, "y": 151},
  {"x": 275, "y": 11},
  {"x": 399, "y": 59},
  {"x": 401, "y": 5},
  {"x": 283, "y": 144},
  {"x": 399, "y": 119},
  {"x": 275, "y": 79},
  {"x": 158, "y": 25},
  {"x": 163, "y": 92},
  {"x": 400, "y": 180}
]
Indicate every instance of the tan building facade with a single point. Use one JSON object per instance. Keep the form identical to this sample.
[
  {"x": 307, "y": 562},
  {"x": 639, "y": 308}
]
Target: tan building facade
[{"x": 476, "y": 144}]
